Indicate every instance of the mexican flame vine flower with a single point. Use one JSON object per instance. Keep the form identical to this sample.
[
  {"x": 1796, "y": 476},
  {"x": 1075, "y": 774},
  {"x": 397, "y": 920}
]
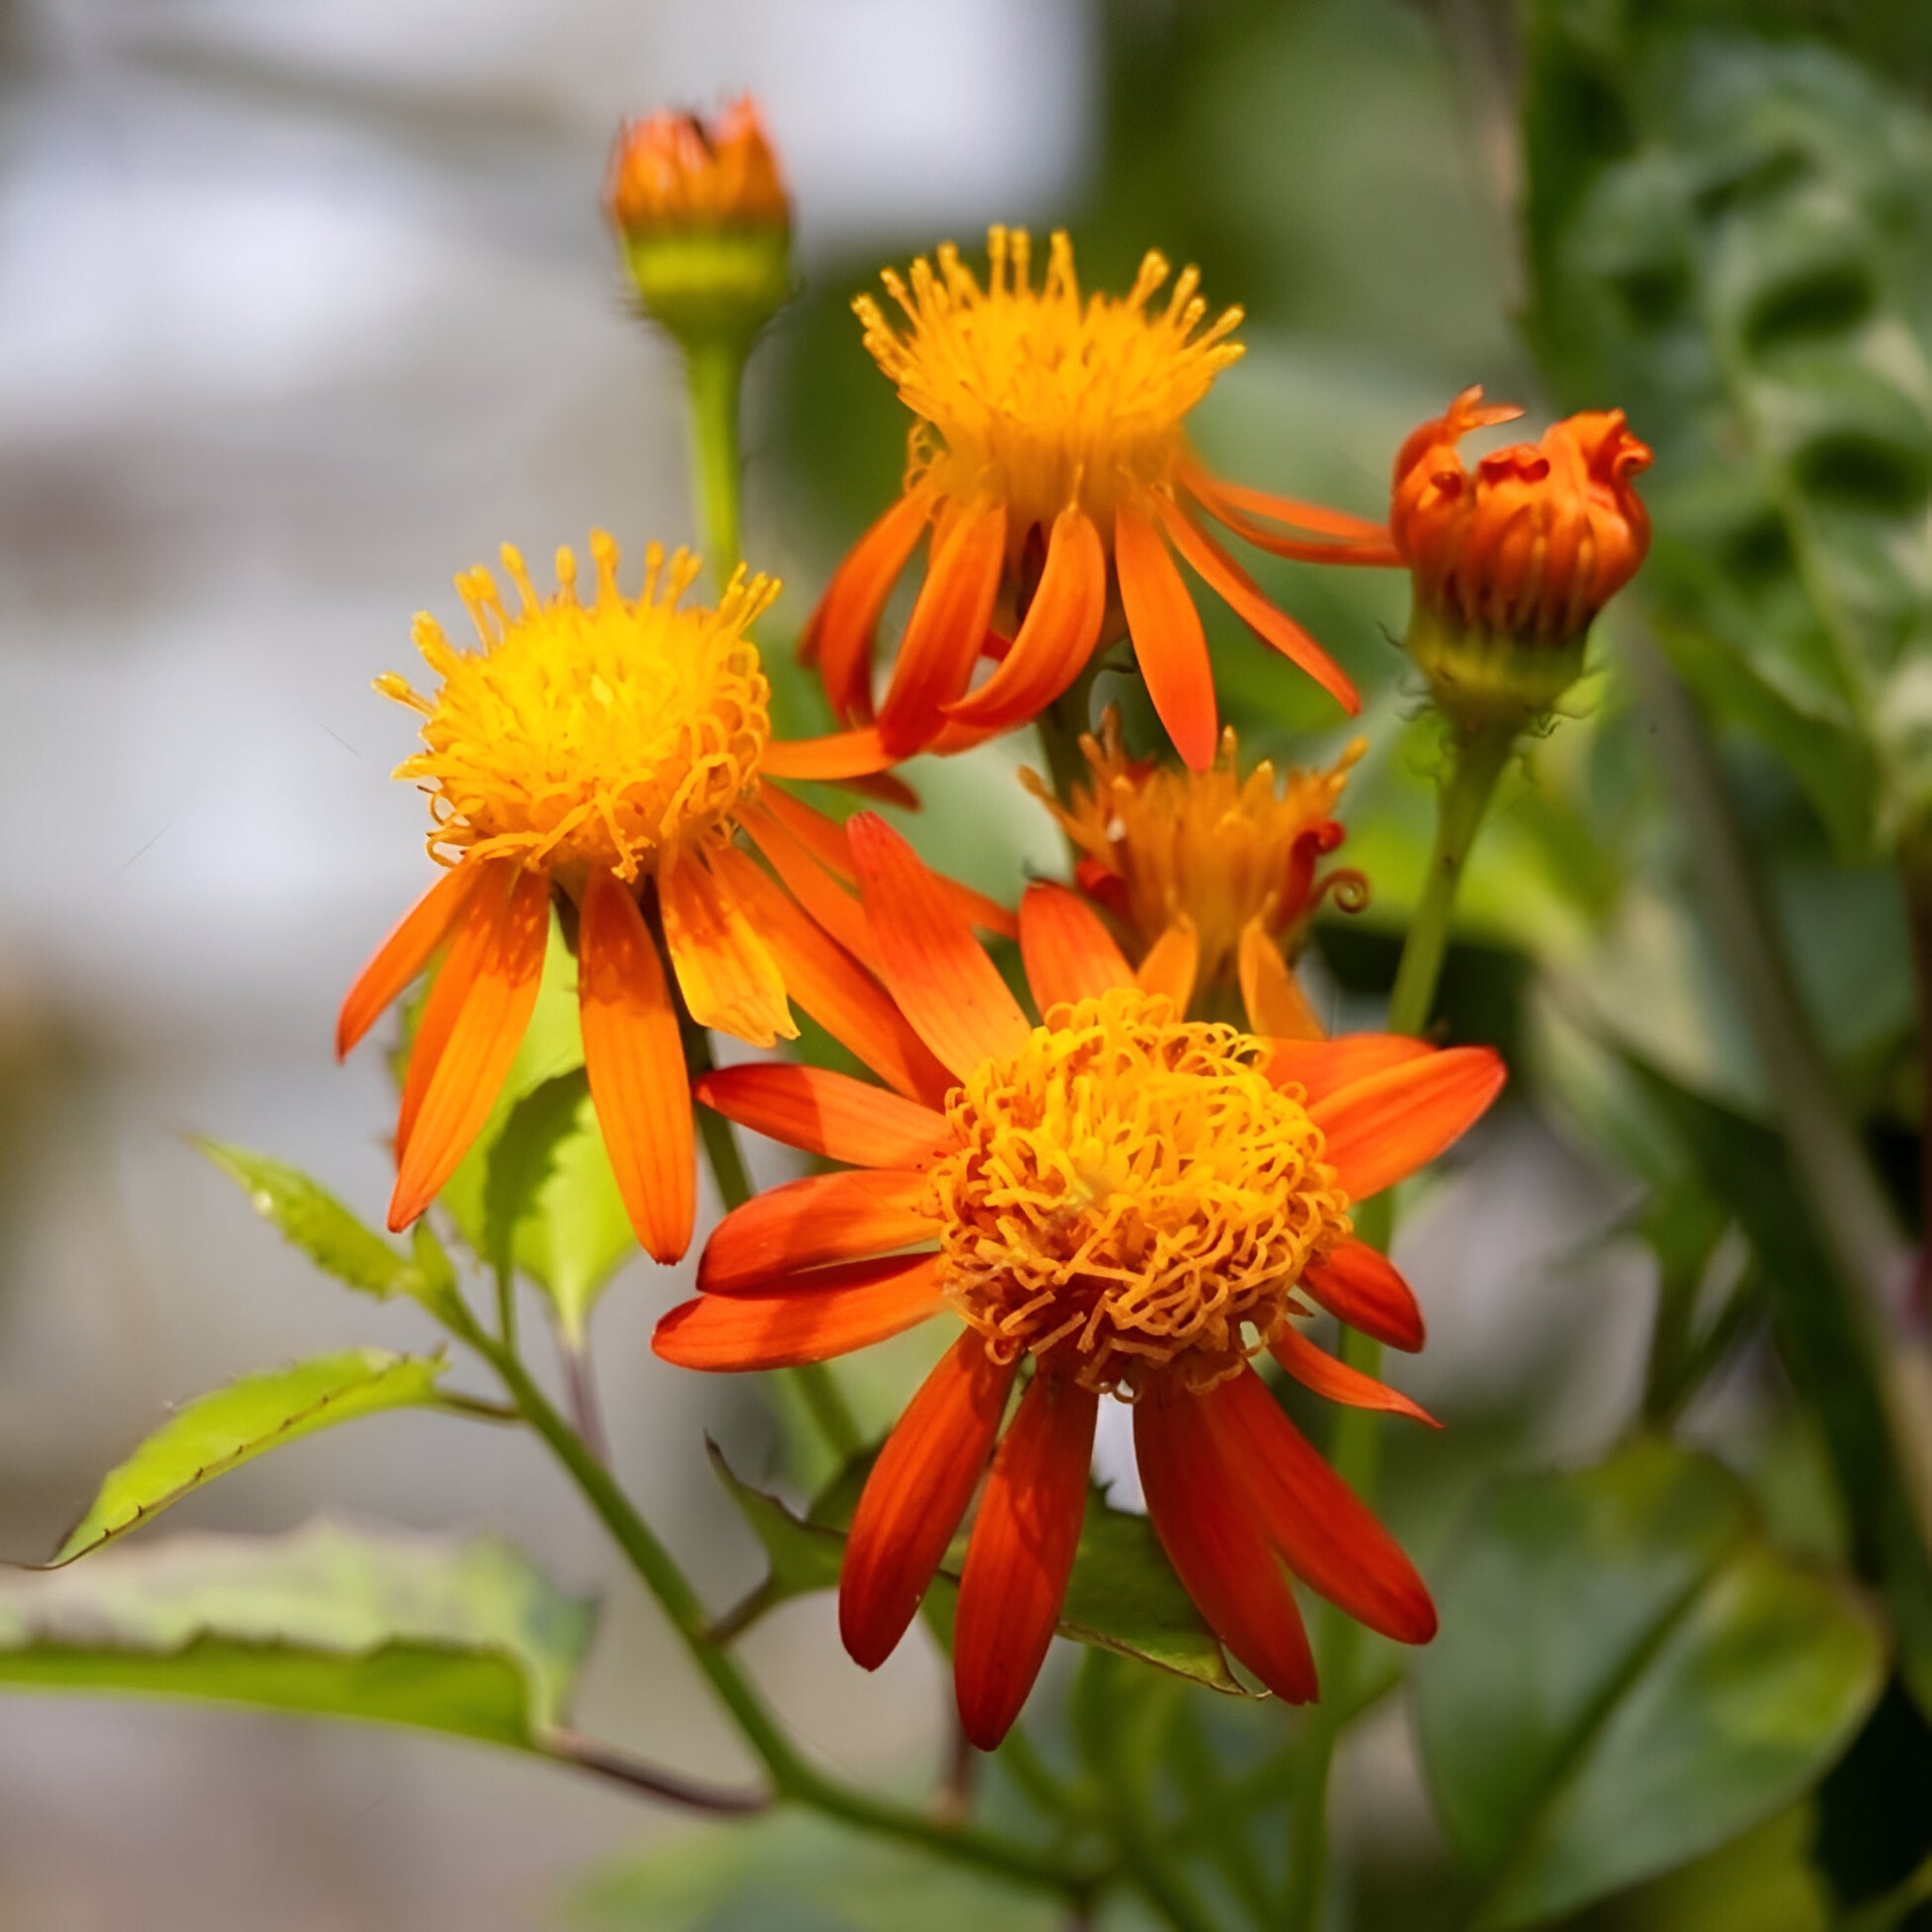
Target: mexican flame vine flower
[
  {"x": 1051, "y": 471},
  {"x": 608, "y": 751},
  {"x": 1212, "y": 874},
  {"x": 1512, "y": 561},
  {"x": 1130, "y": 1202}
]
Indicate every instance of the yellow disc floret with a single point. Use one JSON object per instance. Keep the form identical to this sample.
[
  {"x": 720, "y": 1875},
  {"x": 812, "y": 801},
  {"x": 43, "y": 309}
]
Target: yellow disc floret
[
  {"x": 1130, "y": 1197},
  {"x": 1037, "y": 396},
  {"x": 613, "y": 735}
]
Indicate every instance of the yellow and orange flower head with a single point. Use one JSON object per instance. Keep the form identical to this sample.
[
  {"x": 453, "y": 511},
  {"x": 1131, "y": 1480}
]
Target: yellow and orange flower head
[
  {"x": 610, "y": 750},
  {"x": 1122, "y": 1201},
  {"x": 702, "y": 216},
  {"x": 1051, "y": 471},
  {"x": 1511, "y": 563},
  {"x": 1209, "y": 876}
]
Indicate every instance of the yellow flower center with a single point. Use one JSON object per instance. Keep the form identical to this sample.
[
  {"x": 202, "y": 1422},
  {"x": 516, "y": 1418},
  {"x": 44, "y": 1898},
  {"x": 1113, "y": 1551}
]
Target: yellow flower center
[
  {"x": 1034, "y": 397},
  {"x": 610, "y": 735},
  {"x": 1129, "y": 1196},
  {"x": 1207, "y": 846}
]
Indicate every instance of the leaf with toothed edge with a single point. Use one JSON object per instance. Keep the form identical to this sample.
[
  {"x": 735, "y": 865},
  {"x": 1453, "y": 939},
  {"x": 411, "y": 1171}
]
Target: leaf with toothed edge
[{"x": 217, "y": 1433}]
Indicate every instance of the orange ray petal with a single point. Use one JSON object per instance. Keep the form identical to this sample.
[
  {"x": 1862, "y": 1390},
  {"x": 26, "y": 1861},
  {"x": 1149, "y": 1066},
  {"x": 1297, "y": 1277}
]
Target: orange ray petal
[
  {"x": 1224, "y": 1562},
  {"x": 1360, "y": 1287},
  {"x": 1323, "y": 1066},
  {"x": 482, "y": 1039},
  {"x": 1068, "y": 954},
  {"x": 471, "y": 937},
  {"x": 943, "y": 633},
  {"x": 826, "y": 1113},
  {"x": 1245, "y": 598},
  {"x": 1170, "y": 645},
  {"x": 933, "y": 966},
  {"x": 839, "y": 635},
  {"x": 725, "y": 971},
  {"x": 1021, "y": 1554},
  {"x": 1172, "y": 964},
  {"x": 1058, "y": 635},
  {"x": 1275, "y": 1002},
  {"x": 915, "y": 1496},
  {"x": 825, "y": 839},
  {"x": 1367, "y": 544},
  {"x": 1383, "y": 1127},
  {"x": 1315, "y": 1368},
  {"x": 790, "y": 1327},
  {"x": 805, "y": 877},
  {"x": 1218, "y": 491},
  {"x": 402, "y": 956},
  {"x": 634, "y": 1056},
  {"x": 832, "y": 985},
  {"x": 839, "y": 755},
  {"x": 824, "y": 1217},
  {"x": 1312, "y": 1517}
]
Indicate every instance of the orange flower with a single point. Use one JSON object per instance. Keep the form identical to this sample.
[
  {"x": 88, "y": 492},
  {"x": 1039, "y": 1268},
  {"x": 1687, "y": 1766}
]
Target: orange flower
[
  {"x": 1132, "y": 1200},
  {"x": 1217, "y": 873},
  {"x": 610, "y": 752},
  {"x": 1051, "y": 468},
  {"x": 1511, "y": 564},
  {"x": 672, "y": 171}
]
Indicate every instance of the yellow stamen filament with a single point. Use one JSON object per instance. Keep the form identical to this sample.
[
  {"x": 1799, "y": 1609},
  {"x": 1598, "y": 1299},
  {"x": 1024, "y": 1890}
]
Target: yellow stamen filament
[
  {"x": 1130, "y": 1197},
  {"x": 1034, "y": 396},
  {"x": 613, "y": 735}
]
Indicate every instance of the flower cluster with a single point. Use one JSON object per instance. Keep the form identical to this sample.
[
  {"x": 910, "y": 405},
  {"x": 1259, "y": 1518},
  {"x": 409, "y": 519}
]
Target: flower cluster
[{"x": 1145, "y": 1185}]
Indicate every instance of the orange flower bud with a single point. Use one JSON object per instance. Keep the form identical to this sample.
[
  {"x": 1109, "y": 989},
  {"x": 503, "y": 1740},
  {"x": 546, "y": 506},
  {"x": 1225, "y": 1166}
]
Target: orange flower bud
[
  {"x": 702, "y": 216},
  {"x": 672, "y": 171},
  {"x": 1512, "y": 563}
]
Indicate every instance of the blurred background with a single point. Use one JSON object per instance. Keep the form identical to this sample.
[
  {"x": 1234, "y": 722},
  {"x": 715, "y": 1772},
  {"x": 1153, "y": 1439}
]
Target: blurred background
[{"x": 304, "y": 307}]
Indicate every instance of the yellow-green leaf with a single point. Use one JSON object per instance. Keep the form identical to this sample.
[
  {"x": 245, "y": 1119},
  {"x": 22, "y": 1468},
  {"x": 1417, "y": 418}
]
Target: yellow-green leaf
[{"x": 218, "y": 1432}]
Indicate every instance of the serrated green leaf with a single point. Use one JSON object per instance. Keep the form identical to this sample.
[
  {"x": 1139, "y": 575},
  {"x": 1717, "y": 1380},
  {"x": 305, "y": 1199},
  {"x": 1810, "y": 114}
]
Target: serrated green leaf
[
  {"x": 217, "y": 1433},
  {"x": 1727, "y": 235},
  {"x": 1628, "y": 1675},
  {"x": 1123, "y": 1595},
  {"x": 377, "y": 1625},
  {"x": 315, "y": 1221}
]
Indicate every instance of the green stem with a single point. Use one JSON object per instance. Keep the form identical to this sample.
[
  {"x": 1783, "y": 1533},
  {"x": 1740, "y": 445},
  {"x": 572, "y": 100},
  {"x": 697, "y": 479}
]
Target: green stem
[
  {"x": 506, "y": 1304},
  {"x": 1061, "y": 726},
  {"x": 714, "y": 374},
  {"x": 792, "y": 1776},
  {"x": 1476, "y": 761},
  {"x": 1479, "y": 758}
]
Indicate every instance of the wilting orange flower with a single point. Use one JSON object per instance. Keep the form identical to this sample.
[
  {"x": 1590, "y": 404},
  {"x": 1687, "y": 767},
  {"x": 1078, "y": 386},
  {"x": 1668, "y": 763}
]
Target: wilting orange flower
[
  {"x": 1536, "y": 541},
  {"x": 1132, "y": 1201},
  {"x": 670, "y": 169},
  {"x": 1051, "y": 468},
  {"x": 610, "y": 752},
  {"x": 1212, "y": 875}
]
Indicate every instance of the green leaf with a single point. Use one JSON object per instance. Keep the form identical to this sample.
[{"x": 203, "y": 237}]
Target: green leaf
[
  {"x": 315, "y": 1221},
  {"x": 1728, "y": 233},
  {"x": 536, "y": 1189},
  {"x": 217, "y": 1433},
  {"x": 793, "y": 1872},
  {"x": 1628, "y": 1675},
  {"x": 465, "y": 1637},
  {"x": 1123, "y": 1595}
]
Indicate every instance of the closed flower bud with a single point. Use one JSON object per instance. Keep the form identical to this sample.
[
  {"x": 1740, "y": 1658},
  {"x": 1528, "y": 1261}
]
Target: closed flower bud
[
  {"x": 702, "y": 216},
  {"x": 1512, "y": 561}
]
